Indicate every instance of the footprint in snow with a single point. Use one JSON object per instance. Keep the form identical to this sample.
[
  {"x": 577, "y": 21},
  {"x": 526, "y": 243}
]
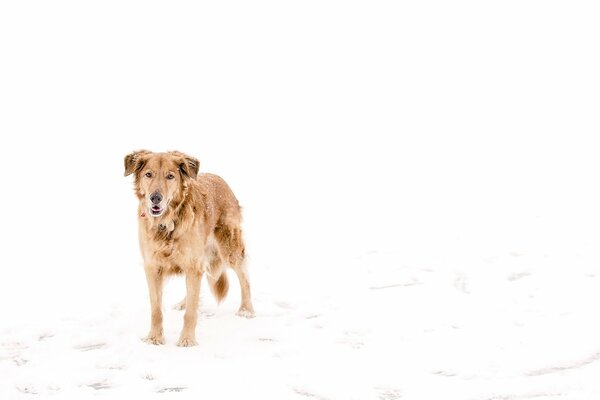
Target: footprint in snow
[
  {"x": 100, "y": 385},
  {"x": 27, "y": 389},
  {"x": 12, "y": 352},
  {"x": 388, "y": 394},
  {"x": 19, "y": 361},
  {"x": 306, "y": 393},
  {"x": 460, "y": 283},
  {"x": 447, "y": 374},
  {"x": 284, "y": 305},
  {"x": 171, "y": 389},
  {"x": 32, "y": 389},
  {"x": 353, "y": 339},
  {"x": 518, "y": 275},
  {"x": 90, "y": 347},
  {"x": 148, "y": 377},
  {"x": 45, "y": 336},
  {"x": 113, "y": 366},
  {"x": 412, "y": 282}
]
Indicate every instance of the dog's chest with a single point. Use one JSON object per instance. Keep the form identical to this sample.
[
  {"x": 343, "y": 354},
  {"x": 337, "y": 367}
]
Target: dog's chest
[{"x": 168, "y": 248}]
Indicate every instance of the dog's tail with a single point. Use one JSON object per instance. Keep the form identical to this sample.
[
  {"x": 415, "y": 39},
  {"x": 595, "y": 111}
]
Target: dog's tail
[{"x": 219, "y": 287}]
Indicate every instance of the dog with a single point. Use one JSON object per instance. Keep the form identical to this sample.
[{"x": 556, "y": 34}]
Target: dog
[{"x": 189, "y": 223}]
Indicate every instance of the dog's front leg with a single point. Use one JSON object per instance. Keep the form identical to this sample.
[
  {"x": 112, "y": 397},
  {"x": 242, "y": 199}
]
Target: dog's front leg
[
  {"x": 192, "y": 298},
  {"x": 155, "y": 288}
]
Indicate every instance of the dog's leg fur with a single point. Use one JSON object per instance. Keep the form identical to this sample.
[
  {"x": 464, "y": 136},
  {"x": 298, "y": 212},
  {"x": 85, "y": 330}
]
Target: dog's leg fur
[
  {"x": 246, "y": 309},
  {"x": 232, "y": 247},
  {"x": 155, "y": 287},
  {"x": 192, "y": 299}
]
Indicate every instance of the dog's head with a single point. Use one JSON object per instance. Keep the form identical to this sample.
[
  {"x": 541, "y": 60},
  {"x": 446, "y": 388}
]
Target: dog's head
[{"x": 160, "y": 178}]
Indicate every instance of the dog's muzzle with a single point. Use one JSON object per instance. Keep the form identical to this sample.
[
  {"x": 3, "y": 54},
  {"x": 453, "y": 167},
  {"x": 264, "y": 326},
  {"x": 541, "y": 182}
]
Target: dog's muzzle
[{"x": 156, "y": 206}]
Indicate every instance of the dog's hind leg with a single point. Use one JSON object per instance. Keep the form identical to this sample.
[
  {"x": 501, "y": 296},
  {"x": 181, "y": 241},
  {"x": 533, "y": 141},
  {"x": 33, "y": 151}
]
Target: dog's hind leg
[
  {"x": 233, "y": 251},
  {"x": 237, "y": 260},
  {"x": 246, "y": 309}
]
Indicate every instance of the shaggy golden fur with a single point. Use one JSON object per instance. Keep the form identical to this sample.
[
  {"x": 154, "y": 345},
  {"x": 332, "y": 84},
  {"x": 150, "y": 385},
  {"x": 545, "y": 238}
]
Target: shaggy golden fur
[{"x": 189, "y": 223}]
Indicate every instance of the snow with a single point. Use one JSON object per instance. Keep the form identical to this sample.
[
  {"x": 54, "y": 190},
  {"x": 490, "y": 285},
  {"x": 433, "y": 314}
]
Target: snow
[
  {"x": 510, "y": 327},
  {"x": 419, "y": 184}
]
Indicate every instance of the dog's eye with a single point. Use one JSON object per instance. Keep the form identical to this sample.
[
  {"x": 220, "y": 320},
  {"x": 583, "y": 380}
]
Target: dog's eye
[
  {"x": 149, "y": 174},
  {"x": 170, "y": 176}
]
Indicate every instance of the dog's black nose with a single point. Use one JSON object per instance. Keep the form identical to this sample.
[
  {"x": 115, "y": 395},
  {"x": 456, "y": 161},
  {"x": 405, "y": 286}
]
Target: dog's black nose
[{"x": 155, "y": 198}]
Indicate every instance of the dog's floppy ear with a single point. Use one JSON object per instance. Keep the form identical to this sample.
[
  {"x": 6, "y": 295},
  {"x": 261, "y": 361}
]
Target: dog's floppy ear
[
  {"x": 135, "y": 161},
  {"x": 188, "y": 165}
]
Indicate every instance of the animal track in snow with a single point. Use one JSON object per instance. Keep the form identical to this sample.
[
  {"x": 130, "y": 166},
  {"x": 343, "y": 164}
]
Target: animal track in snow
[
  {"x": 90, "y": 347},
  {"x": 413, "y": 282},
  {"x": 388, "y": 394},
  {"x": 20, "y": 361},
  {"x": 306, "y": 393},
  {"x": 444, "y": 373},
  {"x": 45, "y": 336},
  {"x": 353, "y": 339},
  {"x": 171, "y": 389},
  {"x": 100, "y": 385},
  {"x": 284, "y": 305},
  {"x": 27, "y": 389},
  {"x": 515, "y": 276},
  {"x": 460, "y": 283},
  {"x": 566, "y": 367}
]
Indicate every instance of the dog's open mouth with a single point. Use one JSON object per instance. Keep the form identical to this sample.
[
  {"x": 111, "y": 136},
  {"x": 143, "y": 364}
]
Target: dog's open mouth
[{"x": 156, "y": 211}]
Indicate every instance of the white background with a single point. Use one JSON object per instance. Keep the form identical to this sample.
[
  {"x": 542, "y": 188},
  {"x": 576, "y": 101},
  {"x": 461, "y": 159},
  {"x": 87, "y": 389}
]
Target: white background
[{"x": 366, "y": 141}]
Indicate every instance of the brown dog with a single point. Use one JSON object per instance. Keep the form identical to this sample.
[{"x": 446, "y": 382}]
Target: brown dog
[{"x": 189, "y": 223}]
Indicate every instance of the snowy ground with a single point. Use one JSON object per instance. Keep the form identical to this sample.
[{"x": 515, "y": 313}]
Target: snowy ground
[
  {"x": 510, "y": 326},
  {"x": 419, "y": 183}
]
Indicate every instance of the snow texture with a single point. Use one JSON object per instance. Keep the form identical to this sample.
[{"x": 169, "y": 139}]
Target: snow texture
[{"x": 419, "y": 183}]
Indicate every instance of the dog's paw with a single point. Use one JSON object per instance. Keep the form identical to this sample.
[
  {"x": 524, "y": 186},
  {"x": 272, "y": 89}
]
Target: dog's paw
[
  {"x": 245, "y": 313},
  {"x": 154, "y": 339},
  {"x": 187, "y": 342},
  {"x": 179, "y": 306}
]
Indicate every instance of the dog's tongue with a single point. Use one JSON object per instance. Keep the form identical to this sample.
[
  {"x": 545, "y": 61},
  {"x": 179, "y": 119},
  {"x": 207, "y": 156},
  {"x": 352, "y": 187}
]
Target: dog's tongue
[{"x": 155, "y": 208}]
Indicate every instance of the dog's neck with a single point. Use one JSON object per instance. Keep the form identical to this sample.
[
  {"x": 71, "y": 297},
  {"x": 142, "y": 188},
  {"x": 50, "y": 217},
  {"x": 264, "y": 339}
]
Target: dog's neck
[{"x": 168, "y": 226}]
